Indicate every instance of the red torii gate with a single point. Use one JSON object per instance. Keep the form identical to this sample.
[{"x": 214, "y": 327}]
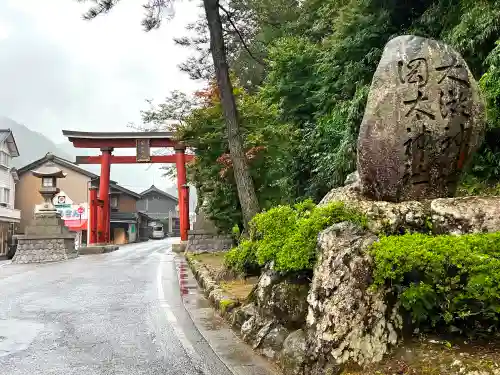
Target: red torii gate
[{"x": 99, "y": 209}]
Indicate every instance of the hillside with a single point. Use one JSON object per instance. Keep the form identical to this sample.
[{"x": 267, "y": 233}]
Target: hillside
[{"x": 32, "y": 145}]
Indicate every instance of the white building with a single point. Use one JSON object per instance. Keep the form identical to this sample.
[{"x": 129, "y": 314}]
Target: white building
[{"x": 8, "y": 179}]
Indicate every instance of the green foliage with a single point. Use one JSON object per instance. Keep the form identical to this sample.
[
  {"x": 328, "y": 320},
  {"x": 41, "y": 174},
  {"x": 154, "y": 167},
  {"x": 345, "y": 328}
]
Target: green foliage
[
  {"x": 258, "y": 22},
  {"x": 202, "y": 127},
  {"x": 226, "y": 305},
  {"x": 242, "y": 259},
  {"x": 443, "y": 280},
  {"x": 333, "y": 144},
  {"x": 486, "y": 166},
  {"x": 475, "y": 186},
  {"x": 319, "y": 78},
  {"x": 236, "y": 233},
  {"x": 303, "y": 75},
  {"x": 490, "y": 84},
  {"x": 319, "y": 75},
  {"x": 287, "y": 236}
]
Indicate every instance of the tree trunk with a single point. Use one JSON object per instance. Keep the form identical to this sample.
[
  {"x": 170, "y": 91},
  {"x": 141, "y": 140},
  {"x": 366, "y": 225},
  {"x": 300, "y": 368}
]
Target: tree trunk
[{"x": 244, "y": 183}]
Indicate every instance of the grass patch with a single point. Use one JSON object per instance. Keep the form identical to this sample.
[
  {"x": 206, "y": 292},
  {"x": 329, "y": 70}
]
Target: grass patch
[
  {"x": 225, "y": 304},
  {"x": 214, "y": 262},
  {"x": 240, "y": 288},
  {"x": 211, "y": 260}
]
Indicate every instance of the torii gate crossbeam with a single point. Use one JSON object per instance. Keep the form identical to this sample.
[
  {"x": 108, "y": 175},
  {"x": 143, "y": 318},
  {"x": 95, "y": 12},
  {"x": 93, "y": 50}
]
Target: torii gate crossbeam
[{"x": 143, "y": 142}]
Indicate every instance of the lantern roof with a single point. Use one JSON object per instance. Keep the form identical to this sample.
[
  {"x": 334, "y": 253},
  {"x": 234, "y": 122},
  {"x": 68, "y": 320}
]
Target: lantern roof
[{"x": 48, "y": 170}]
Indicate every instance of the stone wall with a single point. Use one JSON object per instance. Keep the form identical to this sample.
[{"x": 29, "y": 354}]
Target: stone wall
[
  {"x": 205, "y": 237},
  {"x": 277, "y": 310},
  {"x": 270, "y": 320},
  {"x": 39, "y": 250},
  {"x": 459, "y": 215},
  {"x": 206, "y": 241}
]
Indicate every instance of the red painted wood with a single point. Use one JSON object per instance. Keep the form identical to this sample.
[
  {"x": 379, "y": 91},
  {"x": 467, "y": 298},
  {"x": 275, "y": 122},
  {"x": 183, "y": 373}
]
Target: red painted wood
[
  {"x": 103, "y": 217},
  {"x": 185, "y": 200},
  {"x": 180, "y": 164},
  {"x": 93, "y": 215},
  {"x": 118, "y": 143},
  {"x": 130, "y": 159},
  {"x": 106, "y": 159}
]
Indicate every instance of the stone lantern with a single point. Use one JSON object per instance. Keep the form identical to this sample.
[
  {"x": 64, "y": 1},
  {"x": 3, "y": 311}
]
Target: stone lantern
[
  {"x": 48, "y": 190},
  {"x": 46, "y": 239}
]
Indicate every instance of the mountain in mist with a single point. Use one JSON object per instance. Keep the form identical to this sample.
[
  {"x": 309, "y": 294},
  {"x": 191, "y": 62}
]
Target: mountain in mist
[{"x": 32, "y": 145}]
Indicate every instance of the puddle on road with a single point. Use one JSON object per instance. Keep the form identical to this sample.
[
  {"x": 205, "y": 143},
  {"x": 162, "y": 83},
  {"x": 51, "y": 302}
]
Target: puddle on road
[{"x": 17, "y": 335}]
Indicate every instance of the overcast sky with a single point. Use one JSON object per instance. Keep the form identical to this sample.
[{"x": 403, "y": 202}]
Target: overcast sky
[{"x": 58, "y": 71}]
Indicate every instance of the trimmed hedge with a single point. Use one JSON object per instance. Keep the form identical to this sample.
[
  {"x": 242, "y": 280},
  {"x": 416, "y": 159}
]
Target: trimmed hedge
[
  {"x": 443, "y": 281},
  {"x": 287, "y": 236}
]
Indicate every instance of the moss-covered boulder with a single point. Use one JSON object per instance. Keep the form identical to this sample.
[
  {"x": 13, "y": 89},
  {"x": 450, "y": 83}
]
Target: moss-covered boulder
[
  {"x": 386, "y": 217},
  {"x": 283, "y": 299},
  {"x": 294, "y": 354}
]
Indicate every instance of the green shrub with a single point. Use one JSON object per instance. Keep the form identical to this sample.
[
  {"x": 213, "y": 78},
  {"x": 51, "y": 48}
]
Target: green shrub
[
  {"x": 443, "y": 281},
  {"x": 270, "y": 230},
  {"x": 242, "y": 259},
  {"x": 474, "y": 186},
  {"x": 236, "y": 233},
  {"x": 287, "y": 236}
]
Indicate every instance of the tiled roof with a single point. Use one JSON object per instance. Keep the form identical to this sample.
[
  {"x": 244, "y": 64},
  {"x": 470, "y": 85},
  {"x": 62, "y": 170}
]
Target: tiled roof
[
  {"x": 58, "y": 160},
  {"x": 154, "y": 189}
]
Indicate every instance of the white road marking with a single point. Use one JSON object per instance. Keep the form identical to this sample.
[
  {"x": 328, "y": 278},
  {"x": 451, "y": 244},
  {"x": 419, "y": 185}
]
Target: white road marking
[{"x": 171, "y": 317}]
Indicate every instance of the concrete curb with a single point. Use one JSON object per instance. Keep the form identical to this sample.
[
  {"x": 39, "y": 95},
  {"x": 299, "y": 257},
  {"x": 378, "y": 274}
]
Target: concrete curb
[
  {"x": 179, "y": 247},
  {"x": 89, "y": 250},
  {"x": 226, "y": 307},
  {"x": 218, "y": 297}
]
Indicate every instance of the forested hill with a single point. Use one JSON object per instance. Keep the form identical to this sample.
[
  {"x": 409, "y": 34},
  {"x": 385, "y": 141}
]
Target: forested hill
[
  {"x": 32, "y": 145},
  {"x": 302, "y": 78}
]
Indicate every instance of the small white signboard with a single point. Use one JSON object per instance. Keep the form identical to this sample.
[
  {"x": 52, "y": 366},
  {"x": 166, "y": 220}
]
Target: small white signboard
[{"x": 62, "y": 199}]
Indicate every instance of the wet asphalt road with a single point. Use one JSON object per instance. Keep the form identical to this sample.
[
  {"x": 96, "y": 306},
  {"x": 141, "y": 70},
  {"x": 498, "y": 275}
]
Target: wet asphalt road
[{"x": 116, "y": 313}]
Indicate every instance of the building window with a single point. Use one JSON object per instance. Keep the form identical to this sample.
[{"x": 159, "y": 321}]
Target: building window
[
  {"x": 114, "y": 202},
  {"x": 4, "y": 159},
  {"x": 5, "y": 197}
]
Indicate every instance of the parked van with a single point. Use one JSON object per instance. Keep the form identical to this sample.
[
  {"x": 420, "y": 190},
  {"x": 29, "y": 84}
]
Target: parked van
[{"x": 158, "y": 232}]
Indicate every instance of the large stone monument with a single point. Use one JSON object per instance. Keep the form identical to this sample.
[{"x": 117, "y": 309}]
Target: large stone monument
[
  {"x": 423, "y": 121},
  {"x": 47, "y": 239}
]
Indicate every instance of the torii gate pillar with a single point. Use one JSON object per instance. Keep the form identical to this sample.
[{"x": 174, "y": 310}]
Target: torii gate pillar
[
  {"x": 183, "y": 190},
  {"x": 103, "y": 227}
]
